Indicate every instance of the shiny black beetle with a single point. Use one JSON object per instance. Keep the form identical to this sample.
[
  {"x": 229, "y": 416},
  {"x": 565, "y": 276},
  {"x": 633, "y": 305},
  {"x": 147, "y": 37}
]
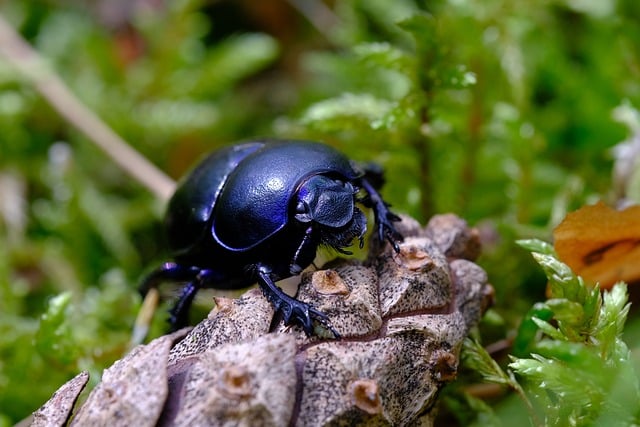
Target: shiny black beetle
[{"x": 258, "y": 211}]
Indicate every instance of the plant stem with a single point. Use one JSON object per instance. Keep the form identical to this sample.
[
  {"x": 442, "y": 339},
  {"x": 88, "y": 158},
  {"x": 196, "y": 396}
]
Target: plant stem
[
  {"x": 421, "y": 142},
  {"x": 46, "y": 82},
  {"x": 515, "y": 386}
]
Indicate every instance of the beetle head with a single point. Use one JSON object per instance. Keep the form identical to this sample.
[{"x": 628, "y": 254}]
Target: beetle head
[
  {"x": 325, "y": 201},
  {"x": 329, "y": 205}
]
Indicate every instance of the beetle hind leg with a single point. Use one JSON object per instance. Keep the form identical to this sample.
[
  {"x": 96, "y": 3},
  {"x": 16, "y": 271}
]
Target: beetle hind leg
[
  {"x": 195, "y": 279},
  {"x": 179, "y": 313},
  {"x": 169, "y": 272}
]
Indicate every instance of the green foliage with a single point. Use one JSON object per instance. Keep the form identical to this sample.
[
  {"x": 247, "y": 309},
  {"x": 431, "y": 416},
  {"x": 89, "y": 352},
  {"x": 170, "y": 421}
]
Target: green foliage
[
  {"x": 585, "y": 364},
  {"x": 476, "y": 357},
  {"x": 84, "y": 332},
  {"x": 497, "y": 110},
  {"x": 53, "y": 338},
  {"x": 578, "y": 370}
]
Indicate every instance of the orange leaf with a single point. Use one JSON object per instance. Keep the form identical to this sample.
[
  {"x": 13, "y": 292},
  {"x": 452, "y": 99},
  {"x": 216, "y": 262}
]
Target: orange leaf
[{"x": 601, "y": 244}]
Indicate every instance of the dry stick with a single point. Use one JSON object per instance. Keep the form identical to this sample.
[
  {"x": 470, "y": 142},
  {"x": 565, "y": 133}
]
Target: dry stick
[
  {"x": 318, "y": 14},
  {"x": 34, "y": 68}
]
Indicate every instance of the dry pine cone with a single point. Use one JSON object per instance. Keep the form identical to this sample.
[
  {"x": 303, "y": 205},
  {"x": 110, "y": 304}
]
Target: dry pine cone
[{"x": 402, "y": 317}]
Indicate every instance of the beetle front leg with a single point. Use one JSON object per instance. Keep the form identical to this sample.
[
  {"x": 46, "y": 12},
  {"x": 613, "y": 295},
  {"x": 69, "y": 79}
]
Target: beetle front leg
[
  {"x": 305, "y": 253},
  {"x": 292, "y": 311},
  {"x": 383, "y": 216}
]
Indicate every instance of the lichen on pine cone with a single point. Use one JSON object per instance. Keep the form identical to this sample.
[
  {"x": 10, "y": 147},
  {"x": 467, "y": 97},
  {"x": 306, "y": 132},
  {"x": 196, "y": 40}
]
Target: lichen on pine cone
[{"x": 401, "y": 316}]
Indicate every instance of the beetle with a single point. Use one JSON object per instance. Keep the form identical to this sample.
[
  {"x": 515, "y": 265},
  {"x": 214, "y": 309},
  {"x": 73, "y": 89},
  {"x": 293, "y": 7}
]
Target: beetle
[{"x": 258, "y": 211}]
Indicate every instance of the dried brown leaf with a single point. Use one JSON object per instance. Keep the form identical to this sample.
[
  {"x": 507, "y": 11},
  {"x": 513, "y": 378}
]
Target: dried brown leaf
[{"x": 601, "y": 244}]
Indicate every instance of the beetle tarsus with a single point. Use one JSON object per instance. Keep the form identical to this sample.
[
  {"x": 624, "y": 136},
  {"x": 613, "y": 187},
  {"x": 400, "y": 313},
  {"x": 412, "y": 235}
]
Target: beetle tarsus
[
  {"x": 323, "y": 320},
  {"x": 293, "y": 312}
]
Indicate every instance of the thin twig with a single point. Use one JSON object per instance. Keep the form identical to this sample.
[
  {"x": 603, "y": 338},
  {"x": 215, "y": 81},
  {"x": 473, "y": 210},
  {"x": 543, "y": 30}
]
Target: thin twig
[
  {"x": 319, "y": 15},
  {"x": 35, "y": 69}
]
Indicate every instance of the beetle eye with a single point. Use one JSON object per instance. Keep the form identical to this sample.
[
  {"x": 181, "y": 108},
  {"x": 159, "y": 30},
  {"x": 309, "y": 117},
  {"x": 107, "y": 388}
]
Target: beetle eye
[
  {"x": 302, "y": 207},
  {"x": 351, "y": 188},
  {"x": 303, "y": 211}
]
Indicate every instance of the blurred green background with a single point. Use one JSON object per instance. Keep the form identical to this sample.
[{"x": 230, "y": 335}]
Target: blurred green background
[{"x": 502, "y": 111}]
